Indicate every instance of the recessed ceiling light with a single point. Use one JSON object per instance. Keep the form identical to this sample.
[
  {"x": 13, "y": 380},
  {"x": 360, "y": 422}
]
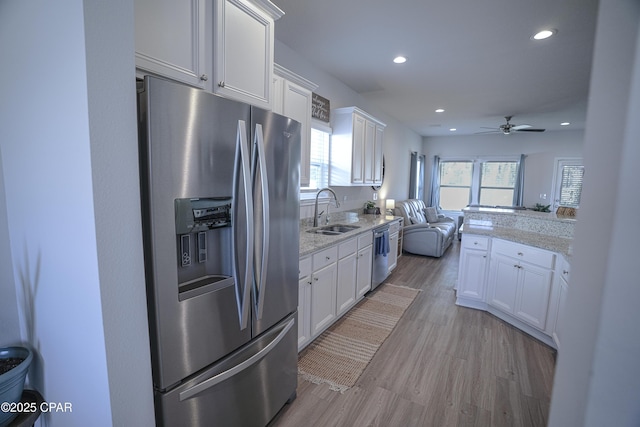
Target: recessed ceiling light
[
  {"x": 565, "y": 124},
  {"x": 544, "y": 34},
  {"x": 400, "y": 59},
  {"x": 440, "y": 110},
  {"x": 453, "y": 130}
]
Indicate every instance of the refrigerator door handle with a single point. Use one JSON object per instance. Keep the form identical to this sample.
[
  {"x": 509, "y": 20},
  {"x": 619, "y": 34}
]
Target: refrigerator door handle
[
  {"x": 259, "y": 161},
  {"x": 242, "y": 173},
  {"x": 217, "y": 379}
]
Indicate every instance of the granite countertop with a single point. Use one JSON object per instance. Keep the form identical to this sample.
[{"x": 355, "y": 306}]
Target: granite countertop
[
  {"x": 545, "y": 216},
  {"x": 543, "y": 230},
  {"x": 551, "y": 243},
  {"x": 311, "y": 242}
]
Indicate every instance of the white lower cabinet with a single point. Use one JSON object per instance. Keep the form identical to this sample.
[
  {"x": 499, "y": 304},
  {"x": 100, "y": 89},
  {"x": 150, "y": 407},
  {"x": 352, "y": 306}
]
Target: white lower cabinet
[
  {"x": 347, "y": 269},
  {"x": 323, "y": 289},
  {"x": 515, "y": 282},
  {"x": 304, "y": 302},
  {"x": 520, "y": 281},
  {"x": 472, "y": 273},
  {"x": 330, "y": 283},
  {"x": 394, "y": 232},
  {"x": 563, "y": 289}
]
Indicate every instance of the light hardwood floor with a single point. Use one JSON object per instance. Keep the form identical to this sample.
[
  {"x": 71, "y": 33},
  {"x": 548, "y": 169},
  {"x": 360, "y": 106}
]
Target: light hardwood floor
[{"x": 443, "y": 365}]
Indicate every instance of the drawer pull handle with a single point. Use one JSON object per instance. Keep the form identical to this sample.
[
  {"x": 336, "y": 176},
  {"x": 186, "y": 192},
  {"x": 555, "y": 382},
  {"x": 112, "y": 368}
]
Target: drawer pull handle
[
  {"x": 315, "y": 278},
  {"x": 328, "y": 258},
  {"x": 475, "y": 243},
  {"x": 565, "y": 272},
  {"x": 520, "y": 253}
]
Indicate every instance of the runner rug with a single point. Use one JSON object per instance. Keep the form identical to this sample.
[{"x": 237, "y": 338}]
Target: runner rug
[{"x": 341, "y": 353}]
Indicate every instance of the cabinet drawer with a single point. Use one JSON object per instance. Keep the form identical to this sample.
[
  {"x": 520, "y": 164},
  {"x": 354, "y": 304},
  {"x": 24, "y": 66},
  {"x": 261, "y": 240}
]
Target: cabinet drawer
[
  {"x": 305, "y": 267},
  {"x": 525, "y": 253},
  {"x": 471, "y": 241},
  {"x": 365, "y": 239},
  {"x": 394, "y": 227},
  {"x": 325, "y": 257},
  {"x": 347, "y": 248}
]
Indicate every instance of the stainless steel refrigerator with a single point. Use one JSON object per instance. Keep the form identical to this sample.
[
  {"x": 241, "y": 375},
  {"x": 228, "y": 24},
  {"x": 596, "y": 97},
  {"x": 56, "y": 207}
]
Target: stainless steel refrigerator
[{"x": 220, "y": 183}]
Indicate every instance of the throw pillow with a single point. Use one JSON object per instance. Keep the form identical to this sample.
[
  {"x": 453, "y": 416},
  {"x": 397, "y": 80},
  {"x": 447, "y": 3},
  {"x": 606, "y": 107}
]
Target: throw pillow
[{"x": 432, "y": 214}]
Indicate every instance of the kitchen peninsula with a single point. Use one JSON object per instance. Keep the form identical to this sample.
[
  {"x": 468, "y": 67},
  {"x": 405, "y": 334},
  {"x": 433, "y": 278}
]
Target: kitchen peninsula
[{"x": 515, "y": 265}]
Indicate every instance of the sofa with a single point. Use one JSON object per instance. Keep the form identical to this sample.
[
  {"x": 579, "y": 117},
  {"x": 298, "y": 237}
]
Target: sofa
[{"x": 426, "y": 232}]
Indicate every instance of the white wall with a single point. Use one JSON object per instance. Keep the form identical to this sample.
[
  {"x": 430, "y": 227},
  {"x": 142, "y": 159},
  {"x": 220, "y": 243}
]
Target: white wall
[
  {"x": 109, "y": 35},
  {"x": 597, "y": 381},
  {"x": 541, "y": 149},
  {"x": 68, "y": 144},
  {"x": 399, "y": 141}
]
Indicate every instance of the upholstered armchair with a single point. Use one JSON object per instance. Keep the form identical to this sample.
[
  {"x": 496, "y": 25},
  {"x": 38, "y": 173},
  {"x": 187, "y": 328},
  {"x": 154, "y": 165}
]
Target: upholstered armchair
[{"x": 426, "y": 232}]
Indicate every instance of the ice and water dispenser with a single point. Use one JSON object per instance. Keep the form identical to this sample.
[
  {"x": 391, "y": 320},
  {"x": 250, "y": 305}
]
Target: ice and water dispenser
[{"x": 204, "y": 245}]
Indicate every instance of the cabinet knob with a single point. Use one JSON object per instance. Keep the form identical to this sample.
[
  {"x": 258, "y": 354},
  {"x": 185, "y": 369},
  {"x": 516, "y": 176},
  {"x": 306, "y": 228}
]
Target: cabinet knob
[
  {"x": 475, "y": 243},
  {"x": 520, "y": 253},
  {"x": 315, "y": 278},
  {"x": 565, "y": 272},
  {"x": 204, "y": 78},
  {"x": 328, "y": 258},
  {"x": 221, "y": 84},
  {"x": 309, "y": 282}
]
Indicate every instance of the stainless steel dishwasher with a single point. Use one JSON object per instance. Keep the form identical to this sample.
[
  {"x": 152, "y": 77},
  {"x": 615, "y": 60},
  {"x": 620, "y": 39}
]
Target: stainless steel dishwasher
[{"x": 380, "y": 255}]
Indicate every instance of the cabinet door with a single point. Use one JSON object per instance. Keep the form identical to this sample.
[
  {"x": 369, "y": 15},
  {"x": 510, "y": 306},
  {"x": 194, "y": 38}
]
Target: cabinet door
[
  {"x": 243, "y": 52},
  {"x": 369, "y": 151},
  {"x": 472, "y": 277},
  {"x": 346, "y": 288},
  {"x": 357, "y": 171},
  {"x": 297, "y": 105},
  {"x": 365, "y": 263},
  {"x": 304, "y": 311},
  {"x": 170, "y": 40},
  {"x": 277, "y": 95},
  {"x": 323, "y": 298},
  {"x": 504, "y": 282},
  {"x": 377, "y": 155},
  {"x": 393, "y": 251},
  {"x": 562, "y": 300},
  {"x": 532, "y": 301}
]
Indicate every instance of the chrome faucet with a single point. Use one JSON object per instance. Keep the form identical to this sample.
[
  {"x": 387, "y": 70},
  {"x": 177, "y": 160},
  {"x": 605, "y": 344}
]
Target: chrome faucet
[{"x": 315, "y": 210}]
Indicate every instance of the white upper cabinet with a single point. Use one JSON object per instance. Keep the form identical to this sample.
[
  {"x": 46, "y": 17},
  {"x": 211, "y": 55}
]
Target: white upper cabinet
[
  {"x": 292, "y": 97},
  {"x": 171, "y": 40},
  {"x": 356, "y": 148},
  {"x": 243, "y": 50}
]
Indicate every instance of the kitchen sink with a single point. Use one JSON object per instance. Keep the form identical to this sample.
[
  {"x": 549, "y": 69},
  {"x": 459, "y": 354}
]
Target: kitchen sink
[{"x": 333, "y": 230}]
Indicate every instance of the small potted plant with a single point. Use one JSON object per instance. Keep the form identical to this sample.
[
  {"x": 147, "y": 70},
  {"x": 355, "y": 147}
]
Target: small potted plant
[
  {"x": 370, "y": 207},
  {"x": 14, "y": 365}
]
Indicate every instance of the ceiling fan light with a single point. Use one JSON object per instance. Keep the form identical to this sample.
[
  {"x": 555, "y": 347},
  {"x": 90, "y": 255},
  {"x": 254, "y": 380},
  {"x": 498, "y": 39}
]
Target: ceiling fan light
[{"x": 544, "y": 34}]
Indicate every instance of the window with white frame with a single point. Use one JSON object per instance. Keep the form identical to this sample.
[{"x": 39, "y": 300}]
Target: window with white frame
[
  {"x": 489, "y": 182},
  {"x": 319, "y": 157},
  {"x": 568, "y": 176}
]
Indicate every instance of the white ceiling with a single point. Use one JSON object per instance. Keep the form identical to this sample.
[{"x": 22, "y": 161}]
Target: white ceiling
[{"x": 474, "y": 58}]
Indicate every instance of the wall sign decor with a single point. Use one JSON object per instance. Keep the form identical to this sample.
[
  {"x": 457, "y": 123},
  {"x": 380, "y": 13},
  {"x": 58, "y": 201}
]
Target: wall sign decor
[{"x": 320, "y": 108}]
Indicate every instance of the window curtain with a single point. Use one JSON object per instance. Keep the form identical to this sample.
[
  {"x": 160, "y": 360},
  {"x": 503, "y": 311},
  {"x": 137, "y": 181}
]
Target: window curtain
[
  {"x": 518, "y": 189},
  {"x": 434, "y": 196},
  {"x": 416, "y": 176}
]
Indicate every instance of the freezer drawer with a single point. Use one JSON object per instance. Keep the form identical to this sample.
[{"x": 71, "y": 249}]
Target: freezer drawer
[{"x": 248, "y": 388}]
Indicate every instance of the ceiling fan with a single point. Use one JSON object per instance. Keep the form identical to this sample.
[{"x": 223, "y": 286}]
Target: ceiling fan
[{"x": 508, "y": 128}]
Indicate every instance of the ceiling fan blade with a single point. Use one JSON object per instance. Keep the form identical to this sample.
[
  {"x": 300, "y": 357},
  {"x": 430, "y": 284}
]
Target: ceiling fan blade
[
  {"x": 530, "y": 130},
  {"x": 487, "y": 131},
  {"x": 520, "y": 127}
]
